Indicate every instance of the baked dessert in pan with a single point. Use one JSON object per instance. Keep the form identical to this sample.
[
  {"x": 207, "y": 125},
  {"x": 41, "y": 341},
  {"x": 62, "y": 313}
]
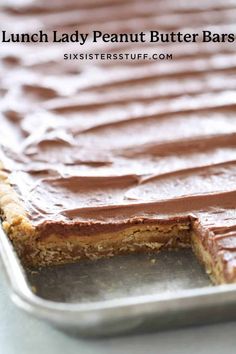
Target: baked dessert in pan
[{"x": 100, "y": 158}]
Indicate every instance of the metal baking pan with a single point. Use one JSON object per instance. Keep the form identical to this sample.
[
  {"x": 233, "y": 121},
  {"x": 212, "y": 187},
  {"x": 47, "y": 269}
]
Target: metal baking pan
[{"x": 124, "y": 294}]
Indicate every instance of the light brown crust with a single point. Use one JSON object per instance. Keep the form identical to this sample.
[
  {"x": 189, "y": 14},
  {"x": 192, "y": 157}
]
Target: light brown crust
[
  {"x": 14, "y": 217},
  {"x": 11, "y": 206},
  {"x": 56, "y": 249},
  {"x": 214, "y": 268}
]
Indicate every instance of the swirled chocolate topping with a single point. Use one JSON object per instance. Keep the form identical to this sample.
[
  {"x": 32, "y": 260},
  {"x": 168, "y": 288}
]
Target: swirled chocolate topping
[{"x": 106, "y": 143}]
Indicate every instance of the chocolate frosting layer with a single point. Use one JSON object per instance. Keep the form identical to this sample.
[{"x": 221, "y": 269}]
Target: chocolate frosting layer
[{"x": 109, "y": 143}]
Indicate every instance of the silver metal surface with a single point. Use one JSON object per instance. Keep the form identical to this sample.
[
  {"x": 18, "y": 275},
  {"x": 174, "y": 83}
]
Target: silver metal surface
[{"x": 142, "y": 292}]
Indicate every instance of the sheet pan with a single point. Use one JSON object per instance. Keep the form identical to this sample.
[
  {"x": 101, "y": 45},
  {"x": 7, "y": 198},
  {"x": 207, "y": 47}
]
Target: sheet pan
[{"x": 124, "y": 294}]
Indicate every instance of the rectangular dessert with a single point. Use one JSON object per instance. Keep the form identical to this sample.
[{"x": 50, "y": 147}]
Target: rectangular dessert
[{"x": 100, "y": 158}]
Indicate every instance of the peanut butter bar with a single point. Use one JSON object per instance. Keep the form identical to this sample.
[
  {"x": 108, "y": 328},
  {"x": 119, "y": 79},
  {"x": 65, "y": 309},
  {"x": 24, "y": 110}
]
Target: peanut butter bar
[{"x": 105, "y": 157}]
